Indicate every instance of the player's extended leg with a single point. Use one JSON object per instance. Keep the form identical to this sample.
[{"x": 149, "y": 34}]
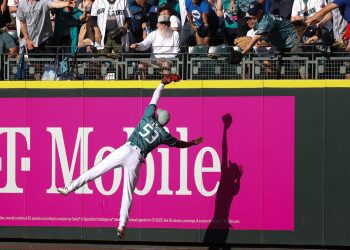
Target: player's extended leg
[
  {"x": 131, "y": 173},
  {"x": 113, "y": 160}
]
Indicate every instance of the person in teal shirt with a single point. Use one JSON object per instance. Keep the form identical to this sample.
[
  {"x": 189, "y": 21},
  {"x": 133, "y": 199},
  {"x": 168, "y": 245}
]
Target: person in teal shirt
[
  {"x": 68, "y": 18},
  {"x": 228, "y": 9},
  {"x": 242, "y": 8},
  {"x": 273, "y": 29}
]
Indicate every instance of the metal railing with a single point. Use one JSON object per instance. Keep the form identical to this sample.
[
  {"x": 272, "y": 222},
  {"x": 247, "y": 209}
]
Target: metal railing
[{"x": 189, "y": 66}]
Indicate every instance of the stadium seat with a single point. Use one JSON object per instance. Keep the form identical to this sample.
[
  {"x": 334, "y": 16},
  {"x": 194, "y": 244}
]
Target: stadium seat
[
  {"x": 219, "y": 51},
  {"x": 198, "y": 50}
]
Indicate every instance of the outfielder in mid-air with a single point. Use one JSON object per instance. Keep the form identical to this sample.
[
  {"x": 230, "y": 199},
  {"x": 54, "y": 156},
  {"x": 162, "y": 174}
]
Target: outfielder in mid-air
[{"x": 148, "y": 134}]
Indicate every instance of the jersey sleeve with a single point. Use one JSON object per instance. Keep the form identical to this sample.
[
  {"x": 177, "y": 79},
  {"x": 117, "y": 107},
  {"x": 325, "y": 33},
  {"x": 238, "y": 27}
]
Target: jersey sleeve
[
  {"x": 264, "y": 26},
  {"x": 295, "y": 8},
  {"x": 170, "y": 140}
]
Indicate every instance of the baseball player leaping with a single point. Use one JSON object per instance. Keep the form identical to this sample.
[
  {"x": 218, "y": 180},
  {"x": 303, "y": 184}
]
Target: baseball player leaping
[{"x": 148, "y": 134}]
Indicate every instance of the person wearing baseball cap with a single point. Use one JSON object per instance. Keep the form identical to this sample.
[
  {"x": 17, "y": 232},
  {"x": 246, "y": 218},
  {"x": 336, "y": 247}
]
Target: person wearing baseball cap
[
  {"x": 162, "y": 40},
  {"x": 175, "y": 23},
  {"x": 164, "y": 43},
  {"x": 273, "y": 29},
  {"x": 242, "y": 7}
]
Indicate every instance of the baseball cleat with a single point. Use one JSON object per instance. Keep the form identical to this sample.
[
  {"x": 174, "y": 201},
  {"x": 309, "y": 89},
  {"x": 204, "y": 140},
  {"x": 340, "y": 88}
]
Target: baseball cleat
[
  {"x": 121, "y": 233},
  {"x": 63, "y": 190}
]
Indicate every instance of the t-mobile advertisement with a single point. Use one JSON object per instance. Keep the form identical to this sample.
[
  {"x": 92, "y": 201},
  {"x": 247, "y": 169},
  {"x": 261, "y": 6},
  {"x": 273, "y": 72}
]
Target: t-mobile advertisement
[{"x": 240, "y": 177}]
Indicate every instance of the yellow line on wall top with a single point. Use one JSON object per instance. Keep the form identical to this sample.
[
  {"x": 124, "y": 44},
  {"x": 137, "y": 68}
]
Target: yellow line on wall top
[{"x": 186, "y": 84}]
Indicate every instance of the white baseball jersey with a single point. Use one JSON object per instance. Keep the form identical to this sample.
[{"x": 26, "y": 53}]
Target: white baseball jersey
[
  {"x": 313, "y": 6},
  {"x": 101, "y": 9}
]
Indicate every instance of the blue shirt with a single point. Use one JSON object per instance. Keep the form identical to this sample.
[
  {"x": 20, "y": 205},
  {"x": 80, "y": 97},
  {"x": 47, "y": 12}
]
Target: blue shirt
[
  {"x": 197, "y": 11},
  {"x": 344, "y": 8}
]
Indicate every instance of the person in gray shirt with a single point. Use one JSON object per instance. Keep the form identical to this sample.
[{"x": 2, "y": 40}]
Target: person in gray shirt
[{"x": 35, "y": 23}]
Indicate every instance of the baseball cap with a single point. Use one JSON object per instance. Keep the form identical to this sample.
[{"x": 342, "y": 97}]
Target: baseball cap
[
  {"x": 163, "y": 19},
  {"x": 254, "y": 7}
]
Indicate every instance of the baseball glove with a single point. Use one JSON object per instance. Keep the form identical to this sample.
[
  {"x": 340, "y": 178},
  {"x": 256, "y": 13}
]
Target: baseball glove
[
  {"x": 242, "y": 42},
  {"x": 235, "y": 57},
  {"x": 299, "y": 27},
  {"x": 170, "y": 78},
  {"x": 175, "y": 78}
]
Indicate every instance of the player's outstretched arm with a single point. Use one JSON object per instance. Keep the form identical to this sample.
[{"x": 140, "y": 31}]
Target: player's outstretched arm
[
  {"x": 166, "y": 80},
  {"x": 156, "y": 94},
  {"x": 186, "y": 144}
]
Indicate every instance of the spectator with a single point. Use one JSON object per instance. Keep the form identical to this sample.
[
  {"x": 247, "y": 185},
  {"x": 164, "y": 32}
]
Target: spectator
[
  {"x": 197, "y": 14},
  {"x": 339, "y": 24},
  {"x": 175, "y": 23},
  {"x": 273, "y": 29},
  {"x": 68, "y": 19},
  {"x": 282, "y": 8},
  {"x": 215, "y": 23},
  {"x": 112, "y": 18},
  {"x": 152, "y": 21},
  {"x": 8, "y": 44},
  {"x": 15, "y": 30},
  {"x": 343, "y": 5},
  {"x": 164, "y": 43},
  {"x": 35, "y": 22},
  {"x": 261, "y": 48},
  {"x": 87, "y": 34},
  {"x": 345, "y": 38},
  {"x": 242, "y": 8},
  {"x": 304, "y": 9},
  {"x": 227, "y": 10},
  {"x": 138, "y": 13},
  {"x": 178, "y": 8}
]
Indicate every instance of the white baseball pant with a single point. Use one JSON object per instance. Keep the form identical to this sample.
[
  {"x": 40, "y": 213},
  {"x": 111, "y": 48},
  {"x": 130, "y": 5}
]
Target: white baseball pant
[{"x": 128, "y": 157}]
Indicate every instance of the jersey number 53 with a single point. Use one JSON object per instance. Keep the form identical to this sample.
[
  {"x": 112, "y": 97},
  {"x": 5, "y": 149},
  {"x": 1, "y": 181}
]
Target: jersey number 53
[{"x": 149, "y": 134}]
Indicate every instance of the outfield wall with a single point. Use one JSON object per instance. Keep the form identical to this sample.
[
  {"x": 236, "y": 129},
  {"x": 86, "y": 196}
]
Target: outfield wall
[{"x": 280, "y": 177}]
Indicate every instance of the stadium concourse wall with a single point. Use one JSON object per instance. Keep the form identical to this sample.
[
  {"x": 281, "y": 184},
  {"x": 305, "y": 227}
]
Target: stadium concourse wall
[{"x": 279, "y": 174}]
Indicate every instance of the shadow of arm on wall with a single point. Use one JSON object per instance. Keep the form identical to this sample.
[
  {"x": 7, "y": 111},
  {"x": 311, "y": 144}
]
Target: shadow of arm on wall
[{"x": 229, "y": 186}]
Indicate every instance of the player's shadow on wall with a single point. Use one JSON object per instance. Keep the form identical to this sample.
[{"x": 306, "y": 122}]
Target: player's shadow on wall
[{"x": 231, "y": 173}]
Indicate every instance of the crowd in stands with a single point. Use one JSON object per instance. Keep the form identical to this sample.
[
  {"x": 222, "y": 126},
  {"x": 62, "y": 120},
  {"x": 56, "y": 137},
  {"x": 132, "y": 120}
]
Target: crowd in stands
[{"x": 163, "y": 27}]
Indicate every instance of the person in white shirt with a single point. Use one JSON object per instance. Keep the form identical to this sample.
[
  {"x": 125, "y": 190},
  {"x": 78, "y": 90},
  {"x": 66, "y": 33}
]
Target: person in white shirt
[
  {"x": 12, "y": 4},
  {"x": 110, "y": 16},
  {"x": 164, "y": 42},
  {"x": 303, "y": 9}
]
